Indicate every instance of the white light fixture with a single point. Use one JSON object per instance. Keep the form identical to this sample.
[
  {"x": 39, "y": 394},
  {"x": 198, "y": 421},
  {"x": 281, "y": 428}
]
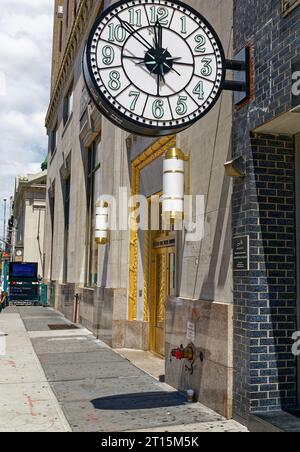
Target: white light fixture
[
  {"x": 173, "y": 185},
  {"x": 102, "y": 223}
]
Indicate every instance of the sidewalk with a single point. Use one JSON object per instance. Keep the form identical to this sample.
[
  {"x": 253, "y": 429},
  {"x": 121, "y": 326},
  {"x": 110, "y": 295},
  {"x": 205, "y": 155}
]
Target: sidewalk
[
  {"x": 96, "y": 388},
  {"x": 27, "y": 402}
]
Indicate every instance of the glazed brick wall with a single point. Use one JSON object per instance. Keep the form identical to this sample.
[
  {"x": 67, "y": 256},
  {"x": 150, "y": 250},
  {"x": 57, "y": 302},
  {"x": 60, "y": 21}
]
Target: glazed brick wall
[
  {"x": 265, "y": 296},
  {"x": 264, "y": 208},
  {"x": 275, "y": 43}
]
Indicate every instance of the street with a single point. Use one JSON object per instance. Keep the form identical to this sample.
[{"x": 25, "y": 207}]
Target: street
[{"x": 60, "y": 380}]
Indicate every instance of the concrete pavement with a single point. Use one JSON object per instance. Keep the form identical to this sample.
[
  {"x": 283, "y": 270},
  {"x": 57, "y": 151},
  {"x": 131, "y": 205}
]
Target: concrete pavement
[
  {"x": 27, "y": 402},
  {"x": 96, "y": 389}
]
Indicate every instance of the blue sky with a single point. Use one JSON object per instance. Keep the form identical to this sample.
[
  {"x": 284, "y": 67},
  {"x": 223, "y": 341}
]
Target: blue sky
[{"x": 25, "y": 64}]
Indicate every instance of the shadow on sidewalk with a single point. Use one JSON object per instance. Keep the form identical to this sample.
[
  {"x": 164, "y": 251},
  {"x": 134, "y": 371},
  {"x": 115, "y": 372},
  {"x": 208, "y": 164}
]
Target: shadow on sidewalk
[{"x": 142, "y": 401}]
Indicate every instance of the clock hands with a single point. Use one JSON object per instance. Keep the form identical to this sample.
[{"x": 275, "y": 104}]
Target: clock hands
[
  {"x": 158, "y": 28},
  {"x": 133, "y": 32},
  {"x": 157, "y": 59}
]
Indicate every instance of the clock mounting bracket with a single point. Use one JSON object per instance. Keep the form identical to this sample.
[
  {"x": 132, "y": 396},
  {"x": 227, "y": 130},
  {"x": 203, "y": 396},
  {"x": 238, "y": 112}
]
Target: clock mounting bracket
[{"x": 241, "y": 68}]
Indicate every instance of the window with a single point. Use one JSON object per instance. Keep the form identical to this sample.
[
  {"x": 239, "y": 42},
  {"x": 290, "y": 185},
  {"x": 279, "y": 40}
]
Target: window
[
  {"x": 68, "y": 105},
  {"x": 67, "y": 224},
  {"x": 67, "y": 14},
  {"x": 51, "y": 200},
  {"x": 53, "y": 139},
  {"x": 93, "y": 193},
  {"x": 60, "y": 36},
  {"x": 75, "y": 7}
]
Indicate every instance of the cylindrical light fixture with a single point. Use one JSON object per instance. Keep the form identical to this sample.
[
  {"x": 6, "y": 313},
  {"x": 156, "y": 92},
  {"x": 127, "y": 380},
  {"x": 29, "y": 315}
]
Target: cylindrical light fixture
[
  {"x": 102, "y": 223},
  {"x": 173, "y": 185}
]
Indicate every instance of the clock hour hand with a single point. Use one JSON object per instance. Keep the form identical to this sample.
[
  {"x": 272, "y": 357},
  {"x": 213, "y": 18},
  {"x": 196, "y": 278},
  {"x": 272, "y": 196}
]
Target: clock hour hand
[
  {"x": 155, "y": 36},
  {"x": 132, "y": 31}
]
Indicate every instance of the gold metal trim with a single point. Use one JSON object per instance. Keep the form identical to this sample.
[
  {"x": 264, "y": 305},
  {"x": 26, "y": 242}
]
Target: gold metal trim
[
  {"x": 102, "y": 204},
  {"x": 174, "y": 172},
  {"x": 155, "y": 151},
  {"x": 102, "y": 241},
  {"x": 174, "y": 153}
]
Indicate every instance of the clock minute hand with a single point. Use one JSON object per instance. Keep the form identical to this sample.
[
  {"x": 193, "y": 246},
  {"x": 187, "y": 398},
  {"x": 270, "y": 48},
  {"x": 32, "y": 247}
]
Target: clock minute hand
[
  {"x": 132, "y": 31},
  {"x": 160, "y": 40}
]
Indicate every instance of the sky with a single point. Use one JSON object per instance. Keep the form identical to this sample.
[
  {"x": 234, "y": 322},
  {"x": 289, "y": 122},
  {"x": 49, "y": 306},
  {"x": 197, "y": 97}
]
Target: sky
[{"x": 25, "y": 65}]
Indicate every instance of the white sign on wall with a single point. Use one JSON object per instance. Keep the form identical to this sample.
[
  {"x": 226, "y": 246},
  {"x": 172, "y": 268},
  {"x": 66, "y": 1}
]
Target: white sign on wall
[{"x": 191, "y": 332}]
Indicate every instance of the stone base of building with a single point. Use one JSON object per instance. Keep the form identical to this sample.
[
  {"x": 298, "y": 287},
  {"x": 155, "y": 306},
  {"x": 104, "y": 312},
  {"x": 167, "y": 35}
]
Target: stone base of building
[
  {"x": 103, "y": 311},
  {"x": 209, "y": 325}
]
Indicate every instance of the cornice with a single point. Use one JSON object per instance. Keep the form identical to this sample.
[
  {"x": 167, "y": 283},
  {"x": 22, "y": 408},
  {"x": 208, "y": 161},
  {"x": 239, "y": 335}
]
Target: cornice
[{"x": 78, "y": 30}]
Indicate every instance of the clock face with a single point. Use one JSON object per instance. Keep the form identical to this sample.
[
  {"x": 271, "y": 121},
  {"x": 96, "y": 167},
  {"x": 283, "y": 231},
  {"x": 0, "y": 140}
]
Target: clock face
[
  {"x": 19, "y": 253},
  {"x": 153, "y": 67}
]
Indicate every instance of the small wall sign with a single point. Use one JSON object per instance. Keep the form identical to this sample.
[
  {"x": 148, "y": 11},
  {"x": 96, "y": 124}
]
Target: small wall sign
[
  {"x": 241, "y": 253},
  {"x": 191, "y": 331}
]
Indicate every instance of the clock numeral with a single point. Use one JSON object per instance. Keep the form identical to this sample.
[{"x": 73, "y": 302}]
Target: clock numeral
[
  {"x": 202, "y": 41},
  {"x": 136, "y": 95},
  {"x": 114, "y": 80},
  {"x": 183, "y": 25},
  {"x": 181, "y": 108},
  {"x": 199, "y": 91},
  {"x": 159, "y": 14},
  {"x": 206, "y": 71},
  {"x": 158, "y": 109},
  {"x": 116, "y": 33},
  {"x": 108, "y": 55},
  {"x": 135, "y": 17}
]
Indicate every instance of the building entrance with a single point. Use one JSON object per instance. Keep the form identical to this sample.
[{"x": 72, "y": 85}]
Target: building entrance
[{"x": 163, "y": 285}]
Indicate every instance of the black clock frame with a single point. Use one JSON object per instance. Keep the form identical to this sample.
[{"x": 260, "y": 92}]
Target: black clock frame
[{"x": 112, "y": 113}]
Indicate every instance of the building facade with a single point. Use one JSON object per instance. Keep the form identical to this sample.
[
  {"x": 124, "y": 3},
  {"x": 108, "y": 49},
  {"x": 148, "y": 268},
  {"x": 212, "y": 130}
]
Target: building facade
[
  {"x": 157, "y": 288},
  {"x": 28, "y": 221}
]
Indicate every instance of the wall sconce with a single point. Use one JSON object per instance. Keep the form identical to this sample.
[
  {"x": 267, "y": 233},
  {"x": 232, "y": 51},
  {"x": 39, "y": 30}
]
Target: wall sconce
[
  {"x": 236, "y": 167},
  {"x": 102, "y": 223},
  {"x": 173, "y": 185}
]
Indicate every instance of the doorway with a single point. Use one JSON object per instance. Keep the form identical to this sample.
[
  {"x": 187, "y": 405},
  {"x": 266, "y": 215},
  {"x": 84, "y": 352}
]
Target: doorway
[{"x": 163, "y": 285}]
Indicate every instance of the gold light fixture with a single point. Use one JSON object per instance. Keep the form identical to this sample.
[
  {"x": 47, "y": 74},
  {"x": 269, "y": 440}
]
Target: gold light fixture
[{"x": 173, "y": 185}]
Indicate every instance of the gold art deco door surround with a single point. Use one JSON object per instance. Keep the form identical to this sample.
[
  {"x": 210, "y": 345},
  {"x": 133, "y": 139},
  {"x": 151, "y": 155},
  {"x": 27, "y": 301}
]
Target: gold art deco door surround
[{"x": 146, "y": 158}]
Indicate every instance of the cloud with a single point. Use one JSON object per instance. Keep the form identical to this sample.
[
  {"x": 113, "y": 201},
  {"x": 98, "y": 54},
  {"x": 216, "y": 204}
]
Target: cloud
[{"x": 25, "y": 65}]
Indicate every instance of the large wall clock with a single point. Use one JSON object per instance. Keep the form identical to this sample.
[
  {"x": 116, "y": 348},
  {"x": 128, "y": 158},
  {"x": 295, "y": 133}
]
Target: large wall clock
[{"x": 153, "y": 67}]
